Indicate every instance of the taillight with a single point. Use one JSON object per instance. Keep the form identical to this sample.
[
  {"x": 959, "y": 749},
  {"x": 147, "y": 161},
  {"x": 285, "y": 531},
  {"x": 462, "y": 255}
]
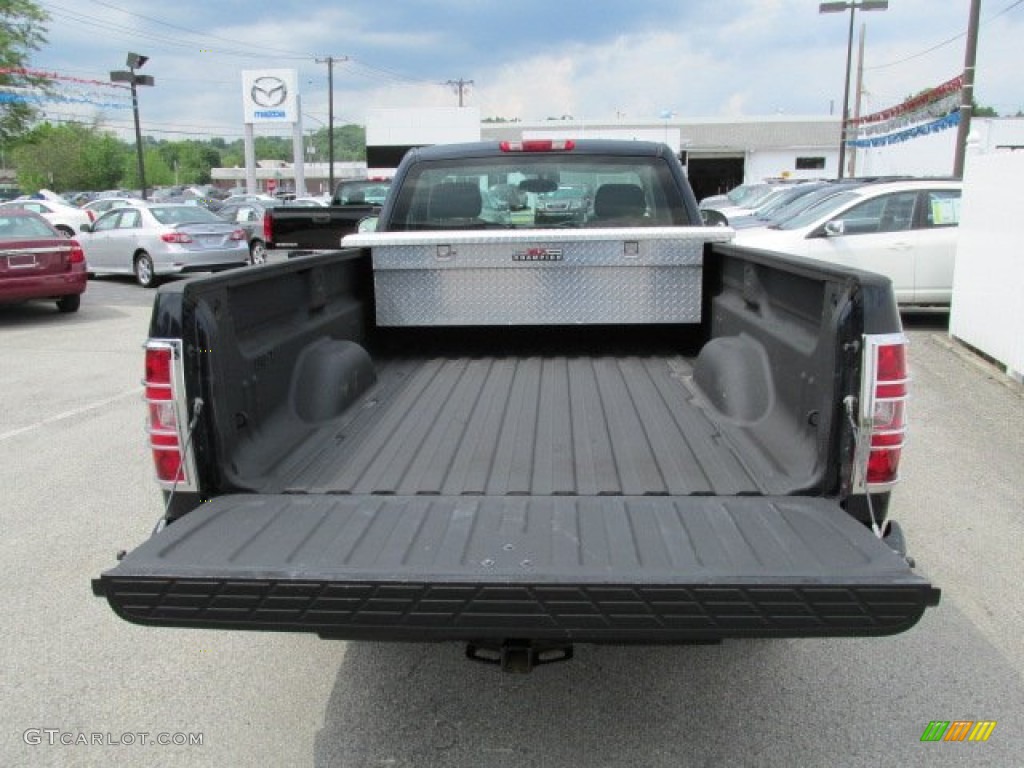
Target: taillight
[
  {"x": 538, "y": 145},
  {"x": 176, "y": 237},
  {"x": 238, "y": 234},
  {"x": 91, "y": 214},
  {"x": 884, "y": 410},
  {"x": 163, "y": 426},
  {"x": 77, "y": 255},
  {"x": 268, "y": 227}
]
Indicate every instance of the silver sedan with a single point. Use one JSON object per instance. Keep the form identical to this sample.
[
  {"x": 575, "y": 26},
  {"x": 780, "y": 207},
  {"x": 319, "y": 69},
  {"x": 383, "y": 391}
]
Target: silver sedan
[{"x": 150, "y": 240}]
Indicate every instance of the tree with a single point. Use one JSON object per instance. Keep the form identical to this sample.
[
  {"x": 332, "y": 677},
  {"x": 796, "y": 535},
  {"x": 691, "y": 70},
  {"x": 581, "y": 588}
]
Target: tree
[
  {"x": 21, "y": 32},
  {"x": 158, "y": 172},
  {"x": 980, "y": 111},
  {"x": 72, "y": 156}
]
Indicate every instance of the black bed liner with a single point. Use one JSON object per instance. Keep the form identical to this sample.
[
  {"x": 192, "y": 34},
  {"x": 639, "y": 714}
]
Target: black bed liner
[
  {"x": 570, "y": 569},
  {"x": 622, "y": 425}
]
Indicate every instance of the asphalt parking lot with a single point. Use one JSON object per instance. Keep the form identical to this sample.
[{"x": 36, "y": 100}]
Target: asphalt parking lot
[{"x": 77, "y": 487}]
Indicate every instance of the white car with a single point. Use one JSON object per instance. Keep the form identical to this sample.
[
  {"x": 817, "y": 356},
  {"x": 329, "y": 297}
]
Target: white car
[
  {"x": 68, "y": 219},
  {"x": 904, "y": 230}
]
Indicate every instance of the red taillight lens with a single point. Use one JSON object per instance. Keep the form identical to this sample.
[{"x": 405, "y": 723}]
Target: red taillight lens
[
  {"x": 158, "y": 367},
  {"x": 891, "y": 370},
  {"x": 538, "y": 145},
  {"x": 164, "y": 433},
  {"x": 886, "y": 394},
  {"x": 176, "y": 237},
  {"x": 268, "y": 226},
  {"x": 883, "y": 465},
  {"x": 167, "y": 460},
  {"x": 91, "y": 214},
  {"x": 77, "y": 255},
  {"x": 238, "y": 234}
]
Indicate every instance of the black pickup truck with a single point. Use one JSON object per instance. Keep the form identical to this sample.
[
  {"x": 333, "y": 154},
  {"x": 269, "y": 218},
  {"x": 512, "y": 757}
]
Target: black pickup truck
[
  {"x": 468, "y": 427},
  {"x": 303, "y": 229}
]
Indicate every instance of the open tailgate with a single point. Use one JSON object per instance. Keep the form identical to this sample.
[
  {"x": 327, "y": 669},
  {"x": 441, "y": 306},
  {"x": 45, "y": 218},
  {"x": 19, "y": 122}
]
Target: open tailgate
[{"x": 585, "y": 569}]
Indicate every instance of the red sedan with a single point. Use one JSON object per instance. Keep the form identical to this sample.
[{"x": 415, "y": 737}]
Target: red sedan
[{"x": 38, "y": 262}]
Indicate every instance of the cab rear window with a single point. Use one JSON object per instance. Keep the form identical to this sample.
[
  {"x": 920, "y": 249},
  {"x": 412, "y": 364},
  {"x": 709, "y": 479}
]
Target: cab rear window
[{"x": 536, "y": 191}]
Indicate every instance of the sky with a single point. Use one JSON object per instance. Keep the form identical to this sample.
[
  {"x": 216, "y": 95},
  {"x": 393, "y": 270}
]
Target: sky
[{"x": 593, "y": 60}]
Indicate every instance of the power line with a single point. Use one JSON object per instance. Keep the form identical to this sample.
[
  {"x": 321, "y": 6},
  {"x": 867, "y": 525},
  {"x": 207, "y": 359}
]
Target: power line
[
  {"x": 944, "y": 43},
  {"x": 263, "y": 49}
]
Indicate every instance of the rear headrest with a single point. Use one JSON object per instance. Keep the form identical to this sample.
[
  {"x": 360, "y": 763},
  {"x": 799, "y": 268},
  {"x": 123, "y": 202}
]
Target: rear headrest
[
  {"x": 615, "y": 200},
  {"x": 454, "y": 200}
]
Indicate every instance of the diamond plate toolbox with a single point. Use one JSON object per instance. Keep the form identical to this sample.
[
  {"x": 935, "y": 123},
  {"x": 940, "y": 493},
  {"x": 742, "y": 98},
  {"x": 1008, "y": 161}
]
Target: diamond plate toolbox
[{"x": 539, "y": 277}]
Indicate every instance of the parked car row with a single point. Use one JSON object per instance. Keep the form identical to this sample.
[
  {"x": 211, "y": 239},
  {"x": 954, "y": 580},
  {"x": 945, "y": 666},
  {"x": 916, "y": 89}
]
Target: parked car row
[{"x": 905, "y": 230}]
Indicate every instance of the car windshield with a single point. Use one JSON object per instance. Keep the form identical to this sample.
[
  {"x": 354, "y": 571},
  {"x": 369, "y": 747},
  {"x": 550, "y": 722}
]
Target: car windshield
[
  {"x": 745, "y": 193},
  {"x": 816, "y": 211},
  {"x": 565, "y": 193},
  {"x": 362, "y": 193},
  {"x": 454, "y": 194},
  {"x": 183, "y": 214}
]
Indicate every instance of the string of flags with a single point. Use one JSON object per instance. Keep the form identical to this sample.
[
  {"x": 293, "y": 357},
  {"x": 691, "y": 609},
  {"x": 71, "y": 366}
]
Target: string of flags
[
  {"x": 74, "y": 90},
  {"x": 943, "y": 123},
  {"x": 930, "y": 112}
]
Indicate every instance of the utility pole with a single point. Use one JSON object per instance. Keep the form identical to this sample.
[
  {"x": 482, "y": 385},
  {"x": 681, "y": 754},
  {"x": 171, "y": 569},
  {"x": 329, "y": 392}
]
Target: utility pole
[
  {"x": 460, "y": 87},
  {"x": 852, "y": 6},
  {"x": 967, "y": 91},
  {"x": 329, "y": 61}
]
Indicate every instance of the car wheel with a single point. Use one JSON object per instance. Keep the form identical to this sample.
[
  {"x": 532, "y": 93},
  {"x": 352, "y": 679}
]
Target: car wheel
[
  {"x": 69, "y": 303},
  {"x": 257, "y": 252},
  {"x": 66, "y": 231},
  {"x": 144, "y": 273}
]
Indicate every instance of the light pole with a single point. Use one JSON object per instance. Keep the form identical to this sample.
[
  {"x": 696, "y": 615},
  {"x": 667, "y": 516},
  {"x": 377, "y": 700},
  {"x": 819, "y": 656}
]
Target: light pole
[
  {"x": 853, "y": 6},
  {"x": 135, "y": 61}
]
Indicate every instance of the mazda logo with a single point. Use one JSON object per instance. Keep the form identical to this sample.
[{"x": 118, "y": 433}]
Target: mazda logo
[{"x": 269, "y": 91}]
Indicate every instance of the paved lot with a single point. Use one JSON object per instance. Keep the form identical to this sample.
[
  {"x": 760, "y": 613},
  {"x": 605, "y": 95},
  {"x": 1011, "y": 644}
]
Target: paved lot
[{"x": 77, "y": 486}]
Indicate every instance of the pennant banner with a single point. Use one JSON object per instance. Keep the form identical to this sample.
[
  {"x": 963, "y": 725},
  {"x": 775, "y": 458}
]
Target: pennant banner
[
  {"x": 38, "y": 73},
  {"x": 948, "y": 88},
  {"x": 10, "y": 97},
  {"x": 943, "y": 123}
]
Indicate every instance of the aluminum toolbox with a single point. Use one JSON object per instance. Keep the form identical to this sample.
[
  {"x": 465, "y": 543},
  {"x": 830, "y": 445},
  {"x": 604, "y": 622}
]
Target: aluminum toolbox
[{"x": 539, "y": 277}]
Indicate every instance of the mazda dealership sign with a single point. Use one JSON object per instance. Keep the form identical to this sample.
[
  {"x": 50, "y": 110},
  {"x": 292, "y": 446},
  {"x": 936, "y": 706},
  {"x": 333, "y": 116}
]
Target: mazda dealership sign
[{"x": 270, "y": 95}]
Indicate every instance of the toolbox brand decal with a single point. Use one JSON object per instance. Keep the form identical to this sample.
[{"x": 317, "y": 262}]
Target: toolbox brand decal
[{"x": 538, "y": 254}]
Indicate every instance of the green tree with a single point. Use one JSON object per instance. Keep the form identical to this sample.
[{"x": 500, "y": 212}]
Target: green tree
[
  {"x": 980, "y": 111},
  {"x": 190, "y": 161},
  {"x": 21, "y": 32},
  {"x": 158, "y": 172},
  {"x": 66, "y": 157},
  {"x": 349, "y": 143}
]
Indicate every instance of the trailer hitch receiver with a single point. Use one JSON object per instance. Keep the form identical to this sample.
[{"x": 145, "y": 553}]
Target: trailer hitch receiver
[{"x": 518, "y": 656}]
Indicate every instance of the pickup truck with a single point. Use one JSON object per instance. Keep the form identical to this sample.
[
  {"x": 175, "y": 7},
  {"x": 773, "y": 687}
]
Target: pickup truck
[
  {"x": 302, "y": 230},
  {"x": 619, "y": 430}
]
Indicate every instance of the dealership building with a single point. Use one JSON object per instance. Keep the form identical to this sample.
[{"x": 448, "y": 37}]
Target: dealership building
[{"x": 719, "y": 153}]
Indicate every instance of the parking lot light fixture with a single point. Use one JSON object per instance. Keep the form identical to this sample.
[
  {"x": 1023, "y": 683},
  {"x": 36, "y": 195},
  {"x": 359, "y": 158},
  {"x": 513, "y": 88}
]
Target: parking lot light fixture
[
  {"x": 853, "y": 6},
  {"x": 135, "y": 61}
]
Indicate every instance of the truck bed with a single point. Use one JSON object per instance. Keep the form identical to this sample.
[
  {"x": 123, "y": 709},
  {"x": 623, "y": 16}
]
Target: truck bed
[
  {"x": 497, "y": 485},
  {"x": 580, "y": 426}
]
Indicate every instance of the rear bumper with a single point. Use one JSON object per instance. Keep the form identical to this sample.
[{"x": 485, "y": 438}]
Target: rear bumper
[
  {"x": 605, "y": 570},
  {"x": 200, "y": 261},
  {"x": 14, "y": 289}
]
